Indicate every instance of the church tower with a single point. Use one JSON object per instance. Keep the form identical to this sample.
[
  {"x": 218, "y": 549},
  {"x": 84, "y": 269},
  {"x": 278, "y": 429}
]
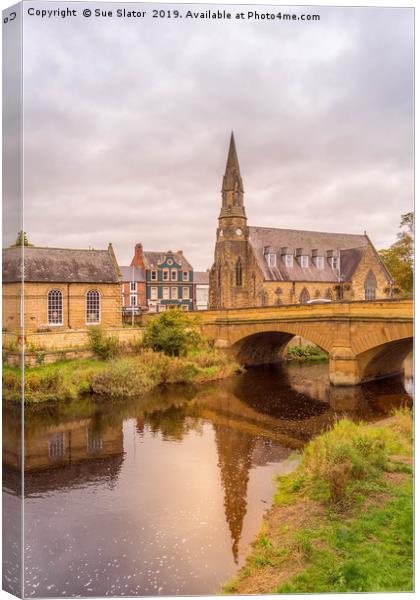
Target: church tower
[{"x": 228, "y": 276}]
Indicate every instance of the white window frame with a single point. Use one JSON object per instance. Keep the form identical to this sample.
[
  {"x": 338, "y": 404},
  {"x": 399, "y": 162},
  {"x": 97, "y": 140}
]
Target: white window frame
[
  {"x": 172, "y": 293},
  {"x": 319, "y": 262},
  {"x": 288, "y": 260},
  {"x": 304, "y": 261},
  {"x": 185, "y": 293},
  {"x": 165, "y": 293},
  {"x": 133, "y": 286},
  {"x": 174, "y": 275},
  {"x": 153, "y": 275},
  {"x": 153, "y": 293},
  {"x": 334, "y": 262},
  {"x": 133, "y": 297},
  {"x": 99, "y": 307},
  {"x": 271, "y": 259},
  {"x": 185, "y": 276},
  {"x": 165, "y": 274},
  {"x": 58, "y": 309}
]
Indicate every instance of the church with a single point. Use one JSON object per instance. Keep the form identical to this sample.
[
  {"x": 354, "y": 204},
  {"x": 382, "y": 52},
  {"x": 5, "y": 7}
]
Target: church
[{"x": 267, "y": 266}]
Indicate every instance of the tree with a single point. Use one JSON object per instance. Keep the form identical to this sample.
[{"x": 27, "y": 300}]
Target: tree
[
  {"x": 399, "y": 258},
  {"x": 173, "y": 333},
  {"x": 22, "y": 239}
]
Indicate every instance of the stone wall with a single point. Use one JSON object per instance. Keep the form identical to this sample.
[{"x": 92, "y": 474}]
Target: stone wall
[{"x": 51, "y": 341}]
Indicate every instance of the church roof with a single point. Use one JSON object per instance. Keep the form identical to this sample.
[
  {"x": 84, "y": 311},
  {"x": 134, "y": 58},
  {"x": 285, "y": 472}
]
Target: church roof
[
  {"x": 59, "y": 265},
  {"x": 270, "y": 240},
  {"x": 154, "y": 259}
]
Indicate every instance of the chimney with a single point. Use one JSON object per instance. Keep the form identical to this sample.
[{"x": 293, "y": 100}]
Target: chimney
[{"x": 138, "y": 260}]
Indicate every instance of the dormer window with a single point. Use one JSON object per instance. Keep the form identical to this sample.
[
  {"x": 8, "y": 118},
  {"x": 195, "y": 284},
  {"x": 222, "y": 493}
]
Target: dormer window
[
  {"x": 288, "y": 260},
  {"x": 334, "y": 262},
  {"x": 271, "y": 259},
  {"x": 319, "y": 261},
  {"x": 304, "y": 261}
]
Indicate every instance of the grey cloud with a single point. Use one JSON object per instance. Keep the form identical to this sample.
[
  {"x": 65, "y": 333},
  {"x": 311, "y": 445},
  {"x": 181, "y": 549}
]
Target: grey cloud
[{"x": 127, "y": 125}]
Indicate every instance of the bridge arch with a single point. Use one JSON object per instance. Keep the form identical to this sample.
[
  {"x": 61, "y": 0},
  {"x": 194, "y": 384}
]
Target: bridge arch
[
  {"x": 385, "y": 359},
  {"x": 266, "y": 344}
]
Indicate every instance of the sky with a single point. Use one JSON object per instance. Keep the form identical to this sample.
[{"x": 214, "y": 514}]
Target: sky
[{"x": 127, "y": 124}]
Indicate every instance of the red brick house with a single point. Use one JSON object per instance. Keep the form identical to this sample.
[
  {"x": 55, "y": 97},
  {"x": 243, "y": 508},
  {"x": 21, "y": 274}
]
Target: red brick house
[{"x": 133, "y": 289}]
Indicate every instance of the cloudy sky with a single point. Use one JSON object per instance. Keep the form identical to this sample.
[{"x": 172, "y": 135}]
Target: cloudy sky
[{"x": 127, "y": 124}]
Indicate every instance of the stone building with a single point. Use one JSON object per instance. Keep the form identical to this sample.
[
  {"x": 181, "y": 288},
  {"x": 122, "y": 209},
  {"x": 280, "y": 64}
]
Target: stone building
[
  {"x": 266, "y": 266},
  {"x": 63, "y": 289},
  {"x": 169, "y": 279}
]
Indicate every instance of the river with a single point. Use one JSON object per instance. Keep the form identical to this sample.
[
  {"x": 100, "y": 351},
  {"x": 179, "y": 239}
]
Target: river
[{"x": 163, "y": 495}]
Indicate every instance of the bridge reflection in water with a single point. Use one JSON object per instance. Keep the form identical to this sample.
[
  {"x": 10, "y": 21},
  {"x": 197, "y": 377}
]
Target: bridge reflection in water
[{"x": 163, "y": 495}]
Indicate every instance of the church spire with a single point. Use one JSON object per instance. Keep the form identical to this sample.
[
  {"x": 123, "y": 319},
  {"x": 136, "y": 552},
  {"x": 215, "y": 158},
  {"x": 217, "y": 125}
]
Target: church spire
[{"x": 232, "y": 180}]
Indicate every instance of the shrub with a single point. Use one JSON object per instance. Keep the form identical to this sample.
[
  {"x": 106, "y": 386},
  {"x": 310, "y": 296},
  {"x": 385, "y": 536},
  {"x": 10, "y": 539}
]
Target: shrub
[
  {"x": 173, "y": 333},
  {"x": 338, "y": 462},
  {"x": 104, "y": 346},
  {"x": 306, "y": 352},
  {"x": 125, "y": 377}
]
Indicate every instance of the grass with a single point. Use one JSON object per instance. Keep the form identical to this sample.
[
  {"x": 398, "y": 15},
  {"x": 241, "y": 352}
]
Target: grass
[
  {"x": 122, "y": 376},
  {"x": 306, "y": 353},
  {"x": 343, "y": 521}
]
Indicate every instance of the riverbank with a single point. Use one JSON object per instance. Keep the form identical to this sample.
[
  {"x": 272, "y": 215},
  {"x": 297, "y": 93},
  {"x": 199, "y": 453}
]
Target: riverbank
[
  {"x": 124, "y": 376},
  {"x": 343, "y": 521}
]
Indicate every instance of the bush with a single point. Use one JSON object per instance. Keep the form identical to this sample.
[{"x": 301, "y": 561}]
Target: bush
[
  {"x": 104, "y": 346},
  {"x": 306, "y": 352},
  {"x": 336, "y": 464},
  {"x": 173, "y": 333}
]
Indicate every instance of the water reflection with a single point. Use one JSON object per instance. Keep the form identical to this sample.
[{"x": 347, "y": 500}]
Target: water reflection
[{"x": 163, "y": 495}]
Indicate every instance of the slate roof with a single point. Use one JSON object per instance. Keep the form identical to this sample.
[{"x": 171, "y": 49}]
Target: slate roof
[
  {"x": 59, "y": 265},
  {"x": 350, "y": 246},
  {"x": 154, "y": 259},
  {"x": 201, "y": 277},
  {"x": 132, "y": 274}
]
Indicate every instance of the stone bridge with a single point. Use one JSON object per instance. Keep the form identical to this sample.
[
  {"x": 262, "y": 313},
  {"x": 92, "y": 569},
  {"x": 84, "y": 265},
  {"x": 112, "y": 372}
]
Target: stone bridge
[{"x": 364, "y": 340}]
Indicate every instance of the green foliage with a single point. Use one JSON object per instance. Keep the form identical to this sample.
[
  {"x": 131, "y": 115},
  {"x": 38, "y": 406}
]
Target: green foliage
[
  {"x": 173, "y": 333},
  {"x": 399, "y": 257},
  {"x": 373, "y": 552},
  {"x": 104, "y": 346},
  {"x": 22, "y": 239},
  {"x": 350, "y": 535},
  {"x": 307, "y": 352}
]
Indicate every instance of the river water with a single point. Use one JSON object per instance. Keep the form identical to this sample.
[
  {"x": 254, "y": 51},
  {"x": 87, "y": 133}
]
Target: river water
[{"x": 162, "y": 496}]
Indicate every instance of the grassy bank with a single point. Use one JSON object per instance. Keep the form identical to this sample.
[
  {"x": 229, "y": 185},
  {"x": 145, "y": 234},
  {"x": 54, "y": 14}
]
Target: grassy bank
[
  {"x": 343, "y": 521},
  {"x": 123, "y": 376},
  {"x": 306, "y": 353}
]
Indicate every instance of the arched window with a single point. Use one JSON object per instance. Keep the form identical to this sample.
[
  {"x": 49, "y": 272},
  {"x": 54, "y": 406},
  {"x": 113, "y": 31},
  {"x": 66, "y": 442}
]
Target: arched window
[
  {"x": 370, "y": 286},
  {"x": 93, "y": 307},
  {"x": 55, "y": 307},
  {"x": 239, "y": 272},
  {"x": 304, "y": 296}
]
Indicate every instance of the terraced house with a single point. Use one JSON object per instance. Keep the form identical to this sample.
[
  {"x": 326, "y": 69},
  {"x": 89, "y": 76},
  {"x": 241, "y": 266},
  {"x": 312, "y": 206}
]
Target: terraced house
[
  {"x": 267, "y": 266},
  {"x": 169, "y": 279}
]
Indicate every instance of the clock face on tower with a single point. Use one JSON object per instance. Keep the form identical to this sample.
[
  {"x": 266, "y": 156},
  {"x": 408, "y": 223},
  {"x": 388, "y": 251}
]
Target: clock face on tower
[{"x": 239, "y": 231}]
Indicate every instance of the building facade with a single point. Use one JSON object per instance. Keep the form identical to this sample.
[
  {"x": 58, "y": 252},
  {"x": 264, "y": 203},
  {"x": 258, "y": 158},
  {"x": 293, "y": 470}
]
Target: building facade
[
  {"x": 169, "y": 279},
  {"x": 133, "y": 290},
  {"x": 201, "y": 290},
  {"x": 266, "y": 266},
  {"x": 63, "y": 289}
]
